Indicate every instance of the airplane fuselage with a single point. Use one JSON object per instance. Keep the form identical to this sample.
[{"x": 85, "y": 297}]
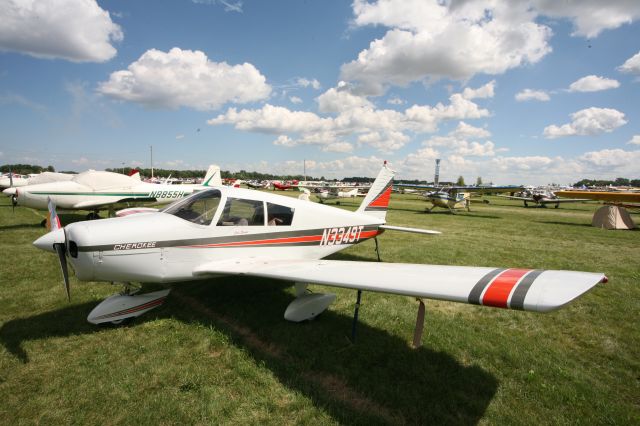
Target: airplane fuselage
[{"x": 127, "y": 249}]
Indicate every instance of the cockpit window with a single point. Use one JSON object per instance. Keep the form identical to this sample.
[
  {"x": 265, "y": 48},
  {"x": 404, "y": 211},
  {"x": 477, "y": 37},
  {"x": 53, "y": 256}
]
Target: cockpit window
[
  {"x": 199, "y": 208},
  {"x": 279, "y": 215},
  {"x": 241, "y": 212}
]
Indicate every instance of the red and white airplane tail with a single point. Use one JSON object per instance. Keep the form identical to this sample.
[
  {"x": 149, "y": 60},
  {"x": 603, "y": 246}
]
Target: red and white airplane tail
[{"x": 377, "y": 200}]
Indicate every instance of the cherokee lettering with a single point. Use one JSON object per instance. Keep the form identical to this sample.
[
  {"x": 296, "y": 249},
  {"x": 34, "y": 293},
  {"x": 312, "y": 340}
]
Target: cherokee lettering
[{"x": 135, "y": 246}]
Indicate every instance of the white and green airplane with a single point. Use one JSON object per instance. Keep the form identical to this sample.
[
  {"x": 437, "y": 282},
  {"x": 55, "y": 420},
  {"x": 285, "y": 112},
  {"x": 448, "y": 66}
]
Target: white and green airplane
[{"x": 99, "y": 190}]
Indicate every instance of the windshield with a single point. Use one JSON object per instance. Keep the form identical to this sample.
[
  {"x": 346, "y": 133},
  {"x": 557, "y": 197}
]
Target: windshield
[{"x": 199, "y": 208}]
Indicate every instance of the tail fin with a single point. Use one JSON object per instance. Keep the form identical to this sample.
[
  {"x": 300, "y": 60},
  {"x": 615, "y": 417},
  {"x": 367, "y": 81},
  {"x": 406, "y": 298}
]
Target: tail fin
[
  {"x": 135, "y": 173},
  {"x": 377, "y": 200},
  {"x": 212, "y": 178},
  {"x": 53, "y": 221}
]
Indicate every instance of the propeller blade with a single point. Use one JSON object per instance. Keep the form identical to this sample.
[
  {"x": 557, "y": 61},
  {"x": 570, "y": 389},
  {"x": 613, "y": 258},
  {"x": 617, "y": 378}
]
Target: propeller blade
[{"x": 62, "y": 256}]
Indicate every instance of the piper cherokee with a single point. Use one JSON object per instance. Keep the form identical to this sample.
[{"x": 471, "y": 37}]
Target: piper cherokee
[{"x": 226, "y": 231}]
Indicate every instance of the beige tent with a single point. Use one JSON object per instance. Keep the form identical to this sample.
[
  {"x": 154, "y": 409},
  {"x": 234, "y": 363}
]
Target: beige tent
[{"x": 612, "y": 217}]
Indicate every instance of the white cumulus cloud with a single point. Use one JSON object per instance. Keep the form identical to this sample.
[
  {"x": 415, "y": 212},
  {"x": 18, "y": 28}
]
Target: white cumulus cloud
[
  {"x": 430, "y": 39},
  {"x": 305, "y": 82},
  {"x": 340, "y": 99},
  {"x": 532, "y": 95},
  {"x": 593, "y": 83},
  {"x": 591, "y": 17},
  {"x": 295, "y": 100},
  {"x": 631, "y": 65},
  {"x": 353, "y": 119},
  {"x": 75, "y": 30},
  {"x": 185, "y": 78},
  {"x": 635, "y": 140},
  {"x": 486, "y": 91},
  {"x": 590, "y": 121}
]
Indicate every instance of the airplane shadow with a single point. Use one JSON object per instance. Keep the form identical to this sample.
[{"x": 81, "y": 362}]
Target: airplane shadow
[{"x": 379, "y": 379}]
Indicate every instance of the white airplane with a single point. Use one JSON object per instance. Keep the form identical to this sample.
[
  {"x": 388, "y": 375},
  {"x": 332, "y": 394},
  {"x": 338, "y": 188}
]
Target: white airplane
[
  {"x": 541, "y": 198},
  {"x": 229, "y": 231},
  {"x": 99, "y": 190},
  {"x": 332, "y": 193},
  {"x": 44, "y": 177},
  {"x": 456, "y": 197}
]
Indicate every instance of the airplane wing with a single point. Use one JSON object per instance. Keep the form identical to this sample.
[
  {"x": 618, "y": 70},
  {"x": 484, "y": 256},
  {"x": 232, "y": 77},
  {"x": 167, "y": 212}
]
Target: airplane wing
[
  {"x": 92, "y": 204},
  {"x": 523, "y": 289},
  {"x": 513, "y": 197},
  {"x": 563, "y": 200}
]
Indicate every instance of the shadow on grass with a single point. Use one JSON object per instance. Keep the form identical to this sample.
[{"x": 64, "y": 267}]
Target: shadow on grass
[
  {"x": 20, "y": 226},
  {"x": 470, "y": 215},
  {"x": 377, "y": 380},
  {"x": 552, "y": 222}
]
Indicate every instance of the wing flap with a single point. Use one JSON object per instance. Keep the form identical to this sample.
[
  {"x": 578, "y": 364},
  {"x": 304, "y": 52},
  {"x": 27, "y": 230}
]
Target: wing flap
[{"x": 525, "y": 289}]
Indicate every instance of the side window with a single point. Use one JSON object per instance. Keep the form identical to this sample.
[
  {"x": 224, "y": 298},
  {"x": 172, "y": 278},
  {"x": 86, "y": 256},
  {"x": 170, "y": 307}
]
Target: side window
[
  {"x": 198, "y": 208},
  {"x": 240, "y": 212},
  {"x": 278, "y": 215}
]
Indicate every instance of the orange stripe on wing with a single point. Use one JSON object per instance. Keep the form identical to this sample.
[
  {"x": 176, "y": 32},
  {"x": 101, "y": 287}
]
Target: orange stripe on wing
[{"x": 497, "y": 294}]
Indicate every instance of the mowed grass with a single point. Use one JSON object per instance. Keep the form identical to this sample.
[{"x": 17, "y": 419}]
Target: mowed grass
[{"x": 219, "y": 351}]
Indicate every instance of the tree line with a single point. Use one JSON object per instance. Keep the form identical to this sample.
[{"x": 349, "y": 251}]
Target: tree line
[{"x": 25, "y": 169}]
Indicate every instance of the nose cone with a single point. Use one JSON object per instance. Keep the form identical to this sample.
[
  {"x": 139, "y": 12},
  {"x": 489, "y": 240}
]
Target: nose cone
[
  {"x": 47, "y": 241},
  {"x": 10, "y": 191}
]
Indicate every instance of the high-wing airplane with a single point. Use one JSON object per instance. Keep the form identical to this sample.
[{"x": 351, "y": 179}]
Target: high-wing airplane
[
  {"x": 541, "y": 198},
  {"x": 607, "y": 196},
  {"x": 99, "y": 190},
  {"x": 228, "y": 231},
  {"x": 332, "y": 192},
  {"x": 456, "y": 197}
]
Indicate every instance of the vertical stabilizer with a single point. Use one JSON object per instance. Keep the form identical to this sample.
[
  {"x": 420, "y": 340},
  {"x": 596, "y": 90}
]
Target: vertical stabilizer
[
  {"x": 377, "y": 200},
  {"x": 135, "y": 173},
  {"x": 212, "y": 178}
]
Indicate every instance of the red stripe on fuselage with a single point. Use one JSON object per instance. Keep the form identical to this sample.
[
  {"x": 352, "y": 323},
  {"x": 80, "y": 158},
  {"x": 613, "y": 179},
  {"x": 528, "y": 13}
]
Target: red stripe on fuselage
[
  {"x": 497, "y": 294},
  {"x": 290, "y": 240}
]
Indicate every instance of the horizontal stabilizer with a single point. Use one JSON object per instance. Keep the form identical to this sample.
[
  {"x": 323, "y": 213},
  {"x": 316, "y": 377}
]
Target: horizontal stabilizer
[
  {"x": 411, "y": 230},
  {"x": 523, "y": 289}
]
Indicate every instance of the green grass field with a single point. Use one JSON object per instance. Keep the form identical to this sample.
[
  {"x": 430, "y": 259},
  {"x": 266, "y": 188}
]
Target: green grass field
[{"x": 220, "y": 352}]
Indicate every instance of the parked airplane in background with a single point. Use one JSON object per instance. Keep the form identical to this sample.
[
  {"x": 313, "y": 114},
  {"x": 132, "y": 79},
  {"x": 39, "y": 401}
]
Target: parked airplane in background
[
  {"x": 231, "y": 231},
  {"x": 456, "y": 197},
  {"x": 619, "y": 197},
  {"x": 541, "y": 198},
  {"x": 283, "y": 186},
  {"x": 16, "y": 181},
  {"x": 99, "y": 190}
]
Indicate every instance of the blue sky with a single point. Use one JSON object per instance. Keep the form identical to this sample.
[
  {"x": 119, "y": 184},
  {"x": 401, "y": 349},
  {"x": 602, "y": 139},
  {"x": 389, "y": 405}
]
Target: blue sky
[{"x": 517, "y": 92}]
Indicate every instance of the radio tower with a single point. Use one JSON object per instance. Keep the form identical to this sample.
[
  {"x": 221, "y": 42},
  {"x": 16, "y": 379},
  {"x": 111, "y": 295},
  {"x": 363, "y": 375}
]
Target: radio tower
[{"x": 437, "y": 177}]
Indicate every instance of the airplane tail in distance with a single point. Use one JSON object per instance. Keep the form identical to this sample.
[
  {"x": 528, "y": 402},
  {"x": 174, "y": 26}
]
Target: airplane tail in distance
[
  {"x": 135, "y": 173},
  {"x": 53, "y": 221},
  {"x": 377, "y": 200},
  {"x": 212, "y": 178}
]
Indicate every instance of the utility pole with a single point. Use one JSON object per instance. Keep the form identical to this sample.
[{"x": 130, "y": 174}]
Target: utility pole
[{"x": 151, "y": 149}]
